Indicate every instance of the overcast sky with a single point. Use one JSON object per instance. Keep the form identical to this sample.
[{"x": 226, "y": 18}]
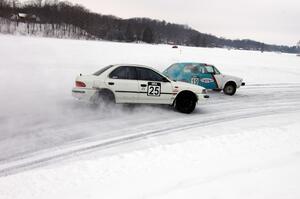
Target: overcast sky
[{"x": 271, "y": 21}]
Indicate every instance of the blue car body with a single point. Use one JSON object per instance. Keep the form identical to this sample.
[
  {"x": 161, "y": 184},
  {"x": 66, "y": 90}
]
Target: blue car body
[{"x": 195, "y": 73}]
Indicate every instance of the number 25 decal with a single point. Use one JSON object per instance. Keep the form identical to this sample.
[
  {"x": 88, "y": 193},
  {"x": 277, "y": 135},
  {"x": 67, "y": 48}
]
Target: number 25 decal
[{"x": 154, "y": 89}]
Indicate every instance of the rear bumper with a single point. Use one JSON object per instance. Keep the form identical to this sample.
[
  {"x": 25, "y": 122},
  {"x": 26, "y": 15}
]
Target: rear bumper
[{"x": 83, "y": 93}]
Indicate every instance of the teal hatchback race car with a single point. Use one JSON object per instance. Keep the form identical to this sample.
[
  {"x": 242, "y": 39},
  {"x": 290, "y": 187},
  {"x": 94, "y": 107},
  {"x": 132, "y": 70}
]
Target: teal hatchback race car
[{"x": 205, "y": 75}]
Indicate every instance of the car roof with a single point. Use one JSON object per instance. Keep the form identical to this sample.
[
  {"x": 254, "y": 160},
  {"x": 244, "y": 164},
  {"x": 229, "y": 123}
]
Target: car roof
[
  {"x": 185, "y": 63},
  {"x": 137, "y": 65},
  {"x": 134, "y": 65}
]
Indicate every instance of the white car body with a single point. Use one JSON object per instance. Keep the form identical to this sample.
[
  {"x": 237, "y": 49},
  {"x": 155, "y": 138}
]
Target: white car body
[
  {"x": 222, "y": 80},
  {"x": 133, "y": 90}
]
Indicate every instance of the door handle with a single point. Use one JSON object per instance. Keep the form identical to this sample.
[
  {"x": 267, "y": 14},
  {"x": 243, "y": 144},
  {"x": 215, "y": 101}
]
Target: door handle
[
  {"x": 143, "y": 85},
  {"x": 111, "y": 83}
]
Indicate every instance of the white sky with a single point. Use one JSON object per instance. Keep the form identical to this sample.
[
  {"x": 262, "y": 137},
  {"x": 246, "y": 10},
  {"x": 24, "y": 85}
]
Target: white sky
[{"x": 270, "y": 21}]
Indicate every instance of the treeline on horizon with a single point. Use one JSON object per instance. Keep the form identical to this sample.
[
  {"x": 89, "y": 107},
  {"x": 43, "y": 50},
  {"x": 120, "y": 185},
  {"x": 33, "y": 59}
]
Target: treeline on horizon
[{"x": 107, "y": 27}]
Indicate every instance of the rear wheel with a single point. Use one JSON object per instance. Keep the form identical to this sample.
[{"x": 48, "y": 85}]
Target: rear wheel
[
  {"x": 229, "y": 89},
  {"x": 186, "y": 103},
  {"x": 104, "y": 97}
]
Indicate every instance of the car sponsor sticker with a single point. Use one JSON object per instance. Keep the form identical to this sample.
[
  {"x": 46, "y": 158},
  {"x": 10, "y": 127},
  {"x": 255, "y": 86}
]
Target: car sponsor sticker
[
  {"x": 207, "y": 80},
  {"x": 154, "y": 89}
]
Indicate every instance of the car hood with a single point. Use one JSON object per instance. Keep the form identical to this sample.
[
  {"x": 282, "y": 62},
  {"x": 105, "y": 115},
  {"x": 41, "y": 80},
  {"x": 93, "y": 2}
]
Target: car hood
[{"x": 232, "y": 77}]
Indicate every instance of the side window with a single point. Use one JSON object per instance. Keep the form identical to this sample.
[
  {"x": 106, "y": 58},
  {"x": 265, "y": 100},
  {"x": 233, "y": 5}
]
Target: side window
[
  {"x": 217, "y": 71},
  {"x": 189, "y": 68},
  {"x": 192, "y": 68},
  {"x": 148, "y": 75},
  {"x": 201, "y": 69},
  {"x": 119, "y": 73},
  {"x": 210, "y": 69},
  {"x": 99, "y": 72},
  {"x": 131, "y": 73},
  {"x": 124, "y": 72}
]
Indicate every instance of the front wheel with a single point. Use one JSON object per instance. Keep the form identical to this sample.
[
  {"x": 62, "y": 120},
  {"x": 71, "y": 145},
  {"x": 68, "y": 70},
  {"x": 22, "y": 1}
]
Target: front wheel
[
  {"x": 229, "y": 89},
  {"x": 185, "y": 104}
]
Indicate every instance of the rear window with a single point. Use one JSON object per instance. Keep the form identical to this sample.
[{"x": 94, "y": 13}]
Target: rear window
[{"x": 99, "y": 72}]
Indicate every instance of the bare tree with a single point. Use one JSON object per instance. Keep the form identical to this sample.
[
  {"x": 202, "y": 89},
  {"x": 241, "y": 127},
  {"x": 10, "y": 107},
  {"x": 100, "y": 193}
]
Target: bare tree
[
  {"x": 148, "y": 35},
  {"x": 38, "y": 3}
]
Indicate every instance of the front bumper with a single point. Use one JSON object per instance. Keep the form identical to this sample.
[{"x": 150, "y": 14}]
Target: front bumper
[
  {"x": 202, "y": 96},
  {"x": 83, "y": 93}
]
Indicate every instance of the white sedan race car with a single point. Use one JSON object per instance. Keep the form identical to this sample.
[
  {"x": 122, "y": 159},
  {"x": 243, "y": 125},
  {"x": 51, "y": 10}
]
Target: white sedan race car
[{"x": 137, "y": 84}]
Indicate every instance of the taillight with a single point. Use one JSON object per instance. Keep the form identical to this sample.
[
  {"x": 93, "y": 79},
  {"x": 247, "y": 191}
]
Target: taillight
[{"x": 80, "y": 84}]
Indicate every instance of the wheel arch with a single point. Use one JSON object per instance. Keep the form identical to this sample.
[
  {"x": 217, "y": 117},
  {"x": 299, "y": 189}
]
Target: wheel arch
[
  {"x": 104, "y": 91},
  {"x": 232, "y": 82}
]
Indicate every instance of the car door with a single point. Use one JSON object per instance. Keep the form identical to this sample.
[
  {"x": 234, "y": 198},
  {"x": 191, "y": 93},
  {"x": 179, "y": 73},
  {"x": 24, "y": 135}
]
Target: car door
[
  {"x": 153, "y": 87},
  {"x": 207, "y": 79},
  {"x": 123, "y": 82},
  {"x": 219, "y": 78}
]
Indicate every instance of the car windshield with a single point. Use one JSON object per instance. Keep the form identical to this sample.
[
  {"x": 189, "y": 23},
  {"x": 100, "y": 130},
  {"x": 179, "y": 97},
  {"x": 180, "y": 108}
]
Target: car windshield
[{"x": 99, "y": 72}]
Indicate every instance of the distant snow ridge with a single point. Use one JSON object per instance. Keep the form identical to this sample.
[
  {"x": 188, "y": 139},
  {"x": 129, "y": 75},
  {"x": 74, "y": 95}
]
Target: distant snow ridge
[{"x": 43, "y": 30}]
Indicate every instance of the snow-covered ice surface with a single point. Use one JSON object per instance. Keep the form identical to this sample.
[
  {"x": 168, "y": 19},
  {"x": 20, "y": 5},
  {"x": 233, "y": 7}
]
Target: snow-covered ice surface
[{"x": 52, "y": 146}]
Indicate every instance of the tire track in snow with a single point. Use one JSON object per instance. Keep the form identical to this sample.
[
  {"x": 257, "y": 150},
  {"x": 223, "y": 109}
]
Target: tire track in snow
[
  {"x": 34, "y": 160},
  {"x": 45, "y": 159}
]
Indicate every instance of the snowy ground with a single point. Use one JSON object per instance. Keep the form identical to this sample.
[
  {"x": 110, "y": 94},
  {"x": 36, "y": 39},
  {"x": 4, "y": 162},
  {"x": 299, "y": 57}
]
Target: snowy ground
[{"x": 245, "y": 146}]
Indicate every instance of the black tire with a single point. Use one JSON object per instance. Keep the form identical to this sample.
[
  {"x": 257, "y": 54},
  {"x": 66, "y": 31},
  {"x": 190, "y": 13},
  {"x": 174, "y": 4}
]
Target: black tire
[
  {"x": 104, "y": 97},
  {"x": 186, "y": 103},
  {"x": 229, "y": 89}
]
